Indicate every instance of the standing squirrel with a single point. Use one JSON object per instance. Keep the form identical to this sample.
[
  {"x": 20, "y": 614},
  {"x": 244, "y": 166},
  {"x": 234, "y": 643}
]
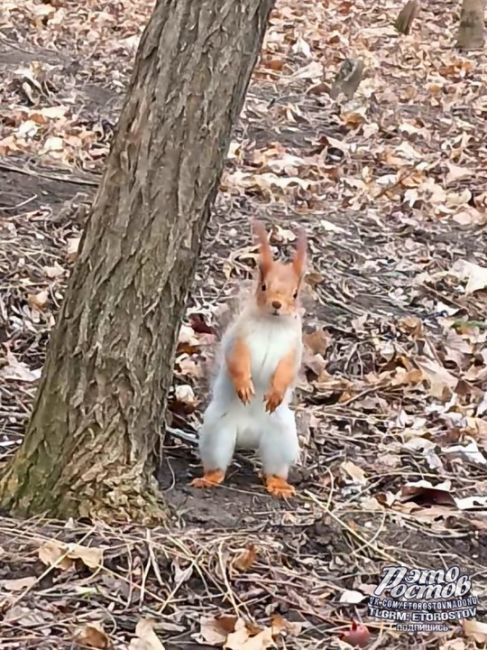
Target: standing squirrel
[{"x": 261, "y": 356}]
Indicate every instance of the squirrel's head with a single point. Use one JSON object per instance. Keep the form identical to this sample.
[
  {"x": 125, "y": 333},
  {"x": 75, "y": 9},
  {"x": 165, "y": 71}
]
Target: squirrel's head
[{"x": 279, "y": 283}]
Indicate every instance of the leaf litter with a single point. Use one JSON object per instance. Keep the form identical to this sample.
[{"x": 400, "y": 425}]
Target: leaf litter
[{"x": 390, "y": 186}]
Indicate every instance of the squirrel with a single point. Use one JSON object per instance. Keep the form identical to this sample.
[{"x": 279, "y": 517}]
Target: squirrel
[{"x": 261, "y": 356}]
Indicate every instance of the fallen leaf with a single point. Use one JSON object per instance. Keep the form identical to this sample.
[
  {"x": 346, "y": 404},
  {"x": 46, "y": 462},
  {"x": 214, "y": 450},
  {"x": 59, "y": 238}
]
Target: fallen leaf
[
  {"x": 475, "y": 275},
  {"x": 355, "y": 472},
  {"x": 38, "y": 300},
  {"x": 91, "y": 557},
  {"x": 214, "y": 630},
  {"x": 245, "y": 559},
  {"x": 18, "y": 370},
  {"x": 352, "y": 597},
  {"x": 468, "y": 452},
  {"x": 358, "y": 635},
  {"x": 53, "y": 272},
  {"x": 146, "y": 639},
  {"x": 53, "y": 143},
  {"x": 424, "y": 493},
  {"x": 93, "y": 636},
  {"x": 26, "y": 617},
  {"x": 280, "y": 625},
  {"x": 185, "y": 394},
  {"x": 471, "y": 503},
  {"x": 72, "y": 248},
  {"x": 455, "y": 173},
  {"x": 317, "y": 341},
  {"x": 52, "y": 551},
  {"x": 182, "y": 575},
  {"x": 18, "y": 584},
  {"x": 453, "y": 644},
  {"x": 241, "y": 639},
  {"x": 442, "y": 383},
  {"x": 475, "y": 630}
]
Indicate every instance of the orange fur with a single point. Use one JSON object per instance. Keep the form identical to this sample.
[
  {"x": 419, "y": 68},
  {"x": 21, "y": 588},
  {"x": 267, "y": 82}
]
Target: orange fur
[
  {"x": 279, "y": 487},
  {"x": 282, "y": 379},
  {"x": 209, "y": 479},
  {"x": 279, "y": 284},
  {"x": 238, "y": 365}
]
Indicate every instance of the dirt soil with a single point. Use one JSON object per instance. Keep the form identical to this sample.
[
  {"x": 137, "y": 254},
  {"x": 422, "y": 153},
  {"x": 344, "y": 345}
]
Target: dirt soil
[{"x": 390, "y": 186}]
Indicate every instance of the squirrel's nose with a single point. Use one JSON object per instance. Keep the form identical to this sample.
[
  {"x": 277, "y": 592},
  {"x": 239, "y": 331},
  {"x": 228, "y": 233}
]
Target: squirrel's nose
[{"x": 276, "y": 304}]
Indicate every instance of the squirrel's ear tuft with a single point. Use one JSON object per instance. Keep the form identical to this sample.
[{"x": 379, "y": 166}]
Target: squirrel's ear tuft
[
  {"x": 260, "y": 233},
  {"x": 299, "y": 259}
]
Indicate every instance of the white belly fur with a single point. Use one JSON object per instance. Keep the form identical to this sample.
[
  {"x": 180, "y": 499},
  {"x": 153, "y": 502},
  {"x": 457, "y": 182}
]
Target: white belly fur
[{"x": 269, "y": 339}]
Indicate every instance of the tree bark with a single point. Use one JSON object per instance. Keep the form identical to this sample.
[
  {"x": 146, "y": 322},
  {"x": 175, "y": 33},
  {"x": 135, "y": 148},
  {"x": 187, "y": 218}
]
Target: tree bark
[
  {"x": 90, "y": 447},
  {"x": 471, "y": 32}
]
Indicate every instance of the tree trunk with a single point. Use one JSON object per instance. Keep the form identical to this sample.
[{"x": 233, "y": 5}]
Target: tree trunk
[
  {"x": 90, "y": 447},
  {"x": 471, "y": 33}
]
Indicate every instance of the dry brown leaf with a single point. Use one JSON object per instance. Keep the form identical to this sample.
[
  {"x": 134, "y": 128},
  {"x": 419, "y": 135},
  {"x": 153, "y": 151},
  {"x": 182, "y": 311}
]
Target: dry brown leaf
[
  {"x": 91, "y": 557},
  {"x": 246, "y": 558},
  {"x": 475, "y": 630},
  {"x": 424, "y": 493},
  {"x": 23, "y": 616},
  {"x": 18, "y": 370},
  {"x": 52, "y": 551},
  {"x": 355, "y": 472},
  {"x": 280, "y": 625},
  {"x": 456, "y": 173},
  {"x": 442, "y": 383},
  {"x": 92, "y": 635},
  {"x": 352, "y": 597},
  {"x": 72, "y": 247},
  {"x": 241, "y": 639},
  {"x": 53, "y": 272},
  {"x": 214, "y": 630},
  {"x": 19, "y": 584},
  {"x": 317, "y": 341},
  {"x": 146, "y": 639},
  {"x": 475, "y": 275},
  {"x": 38, "y": 300}
]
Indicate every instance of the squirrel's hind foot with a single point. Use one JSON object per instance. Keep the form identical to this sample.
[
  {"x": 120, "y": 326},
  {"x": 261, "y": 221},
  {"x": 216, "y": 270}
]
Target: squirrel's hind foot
[
  {"x": 279, "y": 487},
  {"x": 209, "y": 479}
]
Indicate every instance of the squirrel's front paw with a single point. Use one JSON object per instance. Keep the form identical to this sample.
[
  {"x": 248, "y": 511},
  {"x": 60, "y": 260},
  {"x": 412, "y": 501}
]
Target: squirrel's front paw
[
  {"x": 272, "y": 399},
  {"x": 245, "y": 390}
]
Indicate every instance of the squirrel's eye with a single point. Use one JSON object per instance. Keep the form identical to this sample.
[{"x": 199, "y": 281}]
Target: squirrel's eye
[
  {"x": 295, "y": 294},
  {"x": 263, "y": 287}
]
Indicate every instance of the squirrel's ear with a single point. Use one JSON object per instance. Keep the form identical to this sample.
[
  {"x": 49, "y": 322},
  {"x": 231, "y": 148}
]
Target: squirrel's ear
[
  {"x": 299, "y": 259},
  {"x": 260, "y": 233}
]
